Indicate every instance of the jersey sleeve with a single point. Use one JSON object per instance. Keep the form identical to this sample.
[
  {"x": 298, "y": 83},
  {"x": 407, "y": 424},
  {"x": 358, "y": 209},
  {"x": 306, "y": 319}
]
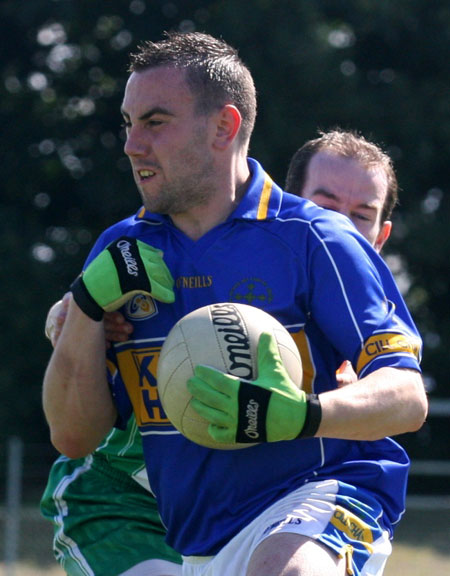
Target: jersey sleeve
[{"x": 356, "y": 303}]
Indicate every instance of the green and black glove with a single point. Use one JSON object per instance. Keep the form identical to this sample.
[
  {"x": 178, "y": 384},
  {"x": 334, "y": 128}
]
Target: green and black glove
[
  {"x": 125, "y": 268},
  {"x": 268, "y": 409}
]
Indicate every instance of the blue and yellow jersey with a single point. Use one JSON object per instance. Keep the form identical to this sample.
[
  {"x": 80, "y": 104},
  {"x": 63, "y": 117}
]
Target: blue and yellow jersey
[{"x": 312, "y": 271}]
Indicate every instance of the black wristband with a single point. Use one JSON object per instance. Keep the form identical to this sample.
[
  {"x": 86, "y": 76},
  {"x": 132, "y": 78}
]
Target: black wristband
[
  {"x": 85, "y": 301},
  {"x": 313, "y": 416}
]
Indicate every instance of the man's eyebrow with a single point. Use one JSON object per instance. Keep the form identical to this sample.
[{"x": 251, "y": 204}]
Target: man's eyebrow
[
  {"x": 366, "y": 206},
  {"x": 332, "y": 196},
  {"x": 324, "y": 192},
  {"x": 149, "y": 113}
]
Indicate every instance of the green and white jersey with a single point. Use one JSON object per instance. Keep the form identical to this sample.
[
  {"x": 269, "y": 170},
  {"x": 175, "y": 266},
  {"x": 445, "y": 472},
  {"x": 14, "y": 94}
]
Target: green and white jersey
[
  {"x": 105, "y": 520},
  {"x": 122, "y": 450}
]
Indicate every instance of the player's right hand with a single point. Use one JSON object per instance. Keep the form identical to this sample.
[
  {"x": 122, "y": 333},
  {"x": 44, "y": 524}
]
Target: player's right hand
[
  {"x": 268, "y": 409},
  {"x": 125, "y": 268}
]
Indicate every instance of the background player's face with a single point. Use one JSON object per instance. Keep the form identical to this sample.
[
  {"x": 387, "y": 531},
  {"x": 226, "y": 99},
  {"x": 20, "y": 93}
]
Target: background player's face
[
  {"x": 344, "y": 185},
  {"x": 168, "y": 143}
]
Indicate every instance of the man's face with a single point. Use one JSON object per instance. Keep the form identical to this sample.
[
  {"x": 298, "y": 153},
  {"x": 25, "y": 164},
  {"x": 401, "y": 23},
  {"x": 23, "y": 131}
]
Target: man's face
[
  {"x": 167, "y": 142},
  {"x": 345, "y": 186}
]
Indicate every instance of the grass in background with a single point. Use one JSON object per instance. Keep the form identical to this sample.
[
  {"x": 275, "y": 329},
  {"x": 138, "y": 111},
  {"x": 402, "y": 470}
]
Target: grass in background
[{"x": 421, "y": 545}]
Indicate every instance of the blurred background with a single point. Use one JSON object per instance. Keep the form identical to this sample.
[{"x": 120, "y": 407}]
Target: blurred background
[{"x": 379, "y": 67}]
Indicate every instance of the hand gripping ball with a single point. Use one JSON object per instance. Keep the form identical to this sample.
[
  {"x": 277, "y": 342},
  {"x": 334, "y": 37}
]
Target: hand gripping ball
[{"x": 224, "y": 336}]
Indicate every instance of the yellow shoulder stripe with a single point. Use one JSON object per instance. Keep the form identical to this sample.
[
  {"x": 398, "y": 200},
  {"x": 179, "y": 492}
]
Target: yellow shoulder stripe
[{"x": 265, "y": 197}]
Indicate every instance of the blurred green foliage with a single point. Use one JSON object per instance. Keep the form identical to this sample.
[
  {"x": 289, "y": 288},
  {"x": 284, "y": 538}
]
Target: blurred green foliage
[{"x": 378, "y": 67}]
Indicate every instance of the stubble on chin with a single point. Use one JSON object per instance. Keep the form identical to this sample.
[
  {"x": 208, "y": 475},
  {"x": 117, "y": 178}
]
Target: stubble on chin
[{"x": 169, "y": 201}]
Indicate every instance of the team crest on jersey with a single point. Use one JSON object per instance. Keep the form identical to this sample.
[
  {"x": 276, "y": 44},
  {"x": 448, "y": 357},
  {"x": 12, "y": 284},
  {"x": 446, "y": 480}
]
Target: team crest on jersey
[
  {"x": 140, "y": 307},
  {"x": 251, "y": 291}
]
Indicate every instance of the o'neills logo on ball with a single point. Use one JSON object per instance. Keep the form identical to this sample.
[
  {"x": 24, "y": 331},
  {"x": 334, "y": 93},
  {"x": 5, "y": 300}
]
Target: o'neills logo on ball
[
  {"x": 130, "y": 261},
  {"x": 252, "y": 420},
  {"x": 231, "y": 329}
]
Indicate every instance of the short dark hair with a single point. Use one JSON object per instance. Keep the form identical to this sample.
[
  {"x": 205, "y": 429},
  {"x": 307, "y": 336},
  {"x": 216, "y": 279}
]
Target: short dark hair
[
  {"x": 347, "y": 144},
  {"x": 214, "y": 72}
]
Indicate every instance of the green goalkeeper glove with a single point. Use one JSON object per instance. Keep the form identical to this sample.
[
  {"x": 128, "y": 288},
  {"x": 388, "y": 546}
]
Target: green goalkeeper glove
[
  {"x": 125, "y": 268},
  {"x": 269, "y": 409}
]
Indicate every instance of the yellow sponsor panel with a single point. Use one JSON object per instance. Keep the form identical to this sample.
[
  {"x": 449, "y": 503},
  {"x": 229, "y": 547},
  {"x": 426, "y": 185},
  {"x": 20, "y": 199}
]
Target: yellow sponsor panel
[
  {"x": 387, "y": 343},
  {"x": 138, "y": 370}
]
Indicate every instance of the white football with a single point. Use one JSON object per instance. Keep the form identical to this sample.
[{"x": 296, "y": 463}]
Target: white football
[{"x": 224, "y": 336}]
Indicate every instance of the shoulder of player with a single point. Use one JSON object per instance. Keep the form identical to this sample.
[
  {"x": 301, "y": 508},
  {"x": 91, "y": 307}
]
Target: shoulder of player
[
  {"x": 306, "y": 227},
  {"x": 301, "y": 216},
  {"x": 132, "y": 226}
]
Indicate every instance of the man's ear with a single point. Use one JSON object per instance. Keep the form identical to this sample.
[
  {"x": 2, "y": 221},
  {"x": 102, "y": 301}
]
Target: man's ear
[
  {"x": 228, "y": 124},
  {"x": 383, "y": 235}
]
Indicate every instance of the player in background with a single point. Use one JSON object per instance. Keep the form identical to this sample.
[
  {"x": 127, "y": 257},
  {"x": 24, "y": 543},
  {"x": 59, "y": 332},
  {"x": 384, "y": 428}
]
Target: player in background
[
  {"x": 345, "y": 177},
  {"x": 342, "y": 171},
  {"x": 335, "y": 487}
]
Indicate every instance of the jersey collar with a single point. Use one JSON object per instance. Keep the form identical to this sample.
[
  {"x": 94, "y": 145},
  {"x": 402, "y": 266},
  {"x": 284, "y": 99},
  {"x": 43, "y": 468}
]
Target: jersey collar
[{"x": 262, "y": 200}]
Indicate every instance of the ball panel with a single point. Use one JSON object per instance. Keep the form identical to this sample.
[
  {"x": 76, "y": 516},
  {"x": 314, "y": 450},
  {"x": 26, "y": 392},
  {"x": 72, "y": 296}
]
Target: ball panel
[
  {"x": 175, "y": 411},
  {"x": 224, "y": 336},
  {"x": 198, "y": 330}
]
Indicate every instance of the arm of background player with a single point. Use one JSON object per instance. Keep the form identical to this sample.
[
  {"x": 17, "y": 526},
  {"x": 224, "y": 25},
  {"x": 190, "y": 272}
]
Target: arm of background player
[
  {"x": 117, "y": 329},
  {"x": 345, "y": 374},
  {"x": 77, "y": 401}
]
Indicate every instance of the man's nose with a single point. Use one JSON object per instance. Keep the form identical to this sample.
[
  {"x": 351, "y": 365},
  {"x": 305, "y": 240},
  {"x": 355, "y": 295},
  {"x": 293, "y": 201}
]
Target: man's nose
[{"x": 135, "y": 144}]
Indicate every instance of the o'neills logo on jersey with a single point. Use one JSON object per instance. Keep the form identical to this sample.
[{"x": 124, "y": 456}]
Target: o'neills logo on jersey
[
  {"x": 231, "y": 330},
  {"x": 251, "y": 414},
  {"x": 130, "y": 261},
  {"x": 192, "y": 282}
]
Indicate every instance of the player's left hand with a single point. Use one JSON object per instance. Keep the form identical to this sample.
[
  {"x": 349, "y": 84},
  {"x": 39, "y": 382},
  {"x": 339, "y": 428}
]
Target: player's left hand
[
  {"x": 268, "y": 409},
  {"x": 125, "y": 268}
]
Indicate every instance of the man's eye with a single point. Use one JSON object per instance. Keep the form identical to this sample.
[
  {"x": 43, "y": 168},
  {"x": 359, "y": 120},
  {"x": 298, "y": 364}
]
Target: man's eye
[
  {"x": 361, "y": 217},
  {"x": 325, "y": 205},
  {"x": 125, "y": 124},
  {"x": 331, "y": 208}
]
